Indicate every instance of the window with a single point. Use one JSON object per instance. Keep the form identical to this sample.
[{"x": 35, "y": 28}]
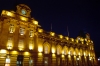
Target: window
[
  {"x": 21, "y": 45},
  {"x": 22, "y": 31},
  {"x": 46, "y": 49},
  {"x": 31, "y": 33},
  {"x": 11, "y": 28},
  {"x": 9, "y": 44}
]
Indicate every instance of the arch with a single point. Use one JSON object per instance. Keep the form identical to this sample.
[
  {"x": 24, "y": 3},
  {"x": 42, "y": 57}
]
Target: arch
[
  {"x": 85, "y": 53},
  {"x": 53, "y": 48},
  {"x": 46, "y": 48},
  {"x": 59, "y": 49},
  {"x": 71, "y": 51},
  {"x": 80, "y": 51},
  {"x": 65, "y": 50},
  {"x": 76, "y": 51}
]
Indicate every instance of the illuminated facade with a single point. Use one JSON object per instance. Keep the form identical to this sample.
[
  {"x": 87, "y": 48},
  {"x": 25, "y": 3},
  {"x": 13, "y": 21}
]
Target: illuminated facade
[{"x": 24, "y": 43}]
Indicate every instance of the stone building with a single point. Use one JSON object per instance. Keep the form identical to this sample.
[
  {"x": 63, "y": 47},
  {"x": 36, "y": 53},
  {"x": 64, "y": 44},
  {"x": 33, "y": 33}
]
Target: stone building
[{"x": 24, "y": 43}]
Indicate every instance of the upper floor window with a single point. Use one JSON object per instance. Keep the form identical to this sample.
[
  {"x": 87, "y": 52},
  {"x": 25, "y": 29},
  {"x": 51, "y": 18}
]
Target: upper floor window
[
  {"x": 11, "y": 28},
  {"x": 31, "y": 33},
  {"x": 22, "y": 31}
]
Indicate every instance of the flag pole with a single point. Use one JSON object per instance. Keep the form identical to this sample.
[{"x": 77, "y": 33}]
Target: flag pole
[
  {"x": 51, "y": 26},
  {"x": 67, "y": 31}
]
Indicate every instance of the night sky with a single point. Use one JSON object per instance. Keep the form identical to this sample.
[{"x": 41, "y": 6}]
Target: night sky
[{"x": 77, "y": 15}]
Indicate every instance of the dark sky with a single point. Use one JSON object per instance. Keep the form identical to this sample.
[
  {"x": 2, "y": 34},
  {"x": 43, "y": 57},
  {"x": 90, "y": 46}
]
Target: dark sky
[{"x": 76, "y": 14}]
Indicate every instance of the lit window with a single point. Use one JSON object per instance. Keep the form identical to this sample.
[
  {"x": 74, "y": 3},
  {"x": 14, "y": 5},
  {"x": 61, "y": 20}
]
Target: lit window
[
  {"x": 7, "y": 64},
  {"x": 77, "y": 58},
  {"x": 46, "y": 49},
  {"x": 21, "y": 45},
  {"x": 22, "y": 31},
  {"x": 31, "y": 33},
  {"x": 11, "y": 28},
  {"x": 7, "y": 60},
  {"x": 9, "y": 44},
  {"x": 58, "y": 51},
  {"x": 31, "y": 46}
]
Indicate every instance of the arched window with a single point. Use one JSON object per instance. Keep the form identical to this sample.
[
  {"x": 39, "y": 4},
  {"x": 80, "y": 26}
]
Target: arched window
[
  {"x": 46, "y": 48},
  {"x": 71, "y": 51},
  {"x": 76, "y": 51},
  {"x": 65, "y": 50},
  {"x": 59, "y": 49}
]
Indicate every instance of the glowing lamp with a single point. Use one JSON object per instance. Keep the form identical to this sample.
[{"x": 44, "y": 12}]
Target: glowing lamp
[
  {"x": 35, "y": 22},
  {"x": 61, "y": 36},
  {"x": 40, "y": 30},
  {"x": 10, "y": 14},
  {"x": 3, "y": 51},
  {"x": 23, "y": 18},
  {"x": 67, "y": 38},
  {"x": 53, "y": 50},
  {"x": 52, "y": 33},
  {"x": 40, "y": 49}
]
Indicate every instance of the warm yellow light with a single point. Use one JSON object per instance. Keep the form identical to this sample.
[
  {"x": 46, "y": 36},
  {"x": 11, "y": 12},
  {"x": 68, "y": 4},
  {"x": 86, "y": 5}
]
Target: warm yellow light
[
  {"x": 69, "y": 52},
  {"x": 82, "y": 39},
  {"x": 31, "y": 47},
  {"x": 10, "y": 14},
  {"x": 68, "y": 56},
  {"x": 79, "y": 53},
  {"x": 62, "y": 56},
  {"x": 85, "y": 39},
  {"x": 35, "y": 22},
  {"x": 61, "y": 36},
  {"x": 23, "y": 18},
  {"x": 3, "y": 51},
  {"x": 3, "y": 12},
  {"x": 86, "y": 43},
  {"x": 88, "y": 40},
  {"x": 14, "y": 52},
  {"x": 53, "y": 50},
  {"x": 7, "y": 64},
  {"x": 26, "y": 53},
  {"x": 39, "y": 54},
  {"x": 77, "y": 40},
  {"x": 84, "y": 54},
  {"x": 52, "y": 33},
  {"x": 40, "y": 49},
  {"x": 72, "y": 39},
  {"x": 74, "y": 53},
  {"x": 53, "y": 55},
  {"x": 40, "y": 30},
  {"x": 9, "y": 44},
  {"x": 63, "y": 52},
  {"x": 89, "y": 54},
  {"x": 67, "y": 38},
  {"x": 91, "y": 41},
  {"x": 21, "y": 45},
  {"x": 82, "y": 42}
]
